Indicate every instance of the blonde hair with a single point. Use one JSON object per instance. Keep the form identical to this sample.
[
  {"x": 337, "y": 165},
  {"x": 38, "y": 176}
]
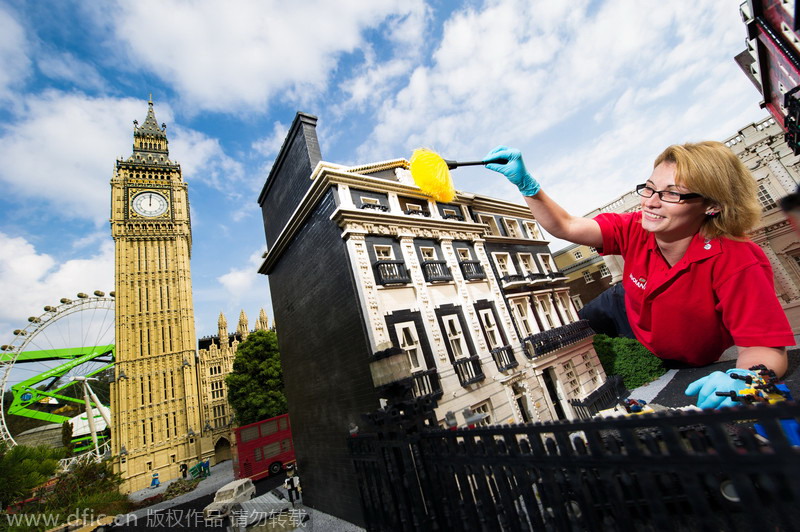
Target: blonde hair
[{"x": 713, "y": 171}]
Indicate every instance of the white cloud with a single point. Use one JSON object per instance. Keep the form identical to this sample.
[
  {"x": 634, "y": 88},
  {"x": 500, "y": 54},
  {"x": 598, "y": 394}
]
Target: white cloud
[
  {"x": 14, "y": 62},
  {"x": 268, "y": 146},
  {"x": 241, "y": 282},
  {"x": 62, "y": 148},
  {"x": 67, "y": 67},
  {"x": 250, "y": 51},
  {"x": 203, "y": 159},
  {"x": 30, "y": 279},
  {"x": 590, "y": 92}
]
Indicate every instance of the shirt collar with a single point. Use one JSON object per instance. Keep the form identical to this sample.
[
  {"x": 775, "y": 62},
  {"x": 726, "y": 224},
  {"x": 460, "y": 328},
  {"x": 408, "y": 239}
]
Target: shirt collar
[{"x": 700, "y": 248}]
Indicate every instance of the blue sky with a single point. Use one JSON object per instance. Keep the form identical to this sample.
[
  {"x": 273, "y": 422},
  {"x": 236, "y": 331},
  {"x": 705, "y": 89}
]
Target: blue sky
[{"x": 590, "y": 91}]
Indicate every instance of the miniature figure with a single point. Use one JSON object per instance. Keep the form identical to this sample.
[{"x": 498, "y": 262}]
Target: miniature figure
[{"x": 292, "y": 484}]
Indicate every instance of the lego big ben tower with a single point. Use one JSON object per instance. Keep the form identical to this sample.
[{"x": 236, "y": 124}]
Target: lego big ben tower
[{"x": 155, "y": 402}]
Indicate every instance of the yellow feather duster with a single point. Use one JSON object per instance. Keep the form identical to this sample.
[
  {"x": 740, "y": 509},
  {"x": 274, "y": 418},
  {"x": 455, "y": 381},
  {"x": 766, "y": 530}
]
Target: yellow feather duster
[{"x": 432, "y": 176}]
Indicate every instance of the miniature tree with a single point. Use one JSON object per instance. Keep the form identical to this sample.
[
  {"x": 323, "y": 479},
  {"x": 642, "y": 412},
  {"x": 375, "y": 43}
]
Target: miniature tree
[{"x": 255, "y": 386}]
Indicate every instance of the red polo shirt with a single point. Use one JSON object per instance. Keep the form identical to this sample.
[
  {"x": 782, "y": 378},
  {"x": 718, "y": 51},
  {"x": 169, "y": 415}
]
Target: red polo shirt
[{"x": 719, "y": 294}]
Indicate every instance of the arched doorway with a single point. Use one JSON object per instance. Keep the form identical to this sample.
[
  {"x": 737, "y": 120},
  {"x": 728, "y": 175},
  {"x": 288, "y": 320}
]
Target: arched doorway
[{"x": 222, "y": 450}]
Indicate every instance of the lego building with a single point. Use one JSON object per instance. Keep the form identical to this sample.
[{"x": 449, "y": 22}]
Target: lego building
[
  {"x": 215, "y": 355},
  {"x": 587, "y": 273},
  {"x": 772, "y": 60},
  {"x": 360, "y": 262}
]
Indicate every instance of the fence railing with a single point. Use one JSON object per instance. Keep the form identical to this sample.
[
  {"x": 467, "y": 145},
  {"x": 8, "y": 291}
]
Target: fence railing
[
  {"x": 472, "y": 270},
  {"x": 468, "y": 370},
  {"x": 697, "y": 471},
  {"x": 545, "y": 342},
  {"x": 392, "y": 272},
  {"x": 436, "y": 270},
  {"x": 504, "y": 358}
]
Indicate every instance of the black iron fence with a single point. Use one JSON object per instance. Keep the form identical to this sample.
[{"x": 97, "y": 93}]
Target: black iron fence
[
  {"x": 545, "y": 342},
  {"x": 436, "y": 270},
  {"x": 392, "y": 272},
  {"x": 472, "y": 270},
  {"x": 685, "y": 471},
  {"x": 468, "y": 370}
]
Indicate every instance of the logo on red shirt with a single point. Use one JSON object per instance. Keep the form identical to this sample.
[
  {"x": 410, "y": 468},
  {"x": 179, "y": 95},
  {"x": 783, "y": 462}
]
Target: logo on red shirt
[{"x": 641, "y": 282}]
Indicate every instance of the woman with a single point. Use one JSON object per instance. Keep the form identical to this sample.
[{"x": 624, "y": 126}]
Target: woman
[{"x": 693, "y": 283}]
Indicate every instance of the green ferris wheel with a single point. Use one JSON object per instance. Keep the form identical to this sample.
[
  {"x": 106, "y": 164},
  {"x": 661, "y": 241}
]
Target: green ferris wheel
[{"x": 57, "y": 369}]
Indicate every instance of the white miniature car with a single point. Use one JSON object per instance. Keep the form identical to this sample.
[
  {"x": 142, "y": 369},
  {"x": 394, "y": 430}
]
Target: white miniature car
[{"x": 228, "y": 496}]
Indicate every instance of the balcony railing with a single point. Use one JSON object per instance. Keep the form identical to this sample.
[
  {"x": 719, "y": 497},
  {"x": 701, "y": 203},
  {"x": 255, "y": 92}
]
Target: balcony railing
[
  {"x": 436, "y": 271},
  {"x": 545, "y": 342},
  {"x": 515, "y": 278},
  {"x": 426, "y": 382},
  {"x": 468, "y": 370},
  {"x": 472, "y": 270},
  {"x": 556, "y": 275},
  {"x": 453, "y": 217},
  {"x": 504, "y": 358},
  {"x": 392, "y": 272},
  {"x": 418, "y": 212},
  {"x": 538, "y": 276},
  {"x": 383, "y": 208}
]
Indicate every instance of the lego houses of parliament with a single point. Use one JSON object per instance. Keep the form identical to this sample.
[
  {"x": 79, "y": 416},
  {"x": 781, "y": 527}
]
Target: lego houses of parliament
[{"x": 169, "y": 400}]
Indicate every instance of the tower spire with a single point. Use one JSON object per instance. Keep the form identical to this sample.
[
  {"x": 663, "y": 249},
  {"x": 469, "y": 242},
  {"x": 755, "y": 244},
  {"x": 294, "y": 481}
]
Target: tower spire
[
  {"x": 242, "y": 327},
  {"x": 150, "y": 138},
  {"x": 222, "y": 324}
]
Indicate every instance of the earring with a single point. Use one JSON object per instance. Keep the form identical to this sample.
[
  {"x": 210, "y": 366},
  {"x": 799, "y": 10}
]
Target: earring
[{"x": 711, "y": 213}]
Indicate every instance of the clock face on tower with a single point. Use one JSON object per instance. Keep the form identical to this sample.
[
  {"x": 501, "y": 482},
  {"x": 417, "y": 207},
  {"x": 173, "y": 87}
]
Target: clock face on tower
[{"x": 149, "y": 204}]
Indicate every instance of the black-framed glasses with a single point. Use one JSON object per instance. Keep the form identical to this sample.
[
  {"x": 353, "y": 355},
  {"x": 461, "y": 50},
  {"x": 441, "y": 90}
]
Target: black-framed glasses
[{"x": 670, "y": 196}]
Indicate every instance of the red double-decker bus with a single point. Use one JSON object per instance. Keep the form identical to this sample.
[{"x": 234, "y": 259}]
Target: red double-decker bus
[{"x": 263, "y": 448}]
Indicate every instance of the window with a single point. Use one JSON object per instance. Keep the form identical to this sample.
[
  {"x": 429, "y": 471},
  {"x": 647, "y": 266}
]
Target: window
[
  {"x": 576, "y": 300},
  {"x": 512, "y": 228},
  {"x": 544, "y": 307},
  {"x": 490, "y": 328},
  {"x": 427, "y": 253},
  {"x": 463, "y": 254},
  {"x": 409, "y": 342},
  {"x": 216, "y": 390},
  {"x": 547, "y": 262},
  {"x": 533, "y": 230},
  {"x": 490, "y": 221},
  {"x": 219, "y": 415},
  {"x": 593, "y": 250},
  {"x": 765, "y": 198},
  {"x": 526, "y": 263},
  {"x": 787, "y": 31},
  {"x": 413, "y": 207},
  {"x": 521, "y": 310},
  {"x": 577, "y": 254},
  {"x": 563, "y": 304},
  {"x": 571, "y": 380},
  {"x": 483, "y": 408},
  {"x": 384, "y": 252},
  {"x": 455, "y": 336},
  {"x": 503, "y": 261},
  {"x": 369, "y": 201},
  {"x": 587, "y": 277},
  {"x": 604, "y": 271},
  {"x": 450, "y": 213},
  {"x": 215, "y": 370}
]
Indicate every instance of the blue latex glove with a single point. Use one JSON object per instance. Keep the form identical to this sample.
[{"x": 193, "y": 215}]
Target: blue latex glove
[
  {"x": 707, "y": 387},
  {"x": 514, "y": 169}
]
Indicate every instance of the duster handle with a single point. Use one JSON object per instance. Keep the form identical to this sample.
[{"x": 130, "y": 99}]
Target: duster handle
[{"x": 455, "y": 164}]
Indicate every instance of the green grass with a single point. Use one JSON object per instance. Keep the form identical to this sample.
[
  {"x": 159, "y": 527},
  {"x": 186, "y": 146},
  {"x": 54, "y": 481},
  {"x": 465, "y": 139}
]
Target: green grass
[{"x": 629, "y": 359}]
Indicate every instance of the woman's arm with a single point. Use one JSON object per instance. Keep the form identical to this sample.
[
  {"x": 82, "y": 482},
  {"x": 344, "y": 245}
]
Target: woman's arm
[
  {"x": 773, "y": 358},
  {"x": 547, "y": 212},
  {"x": 562, "y": 224}
]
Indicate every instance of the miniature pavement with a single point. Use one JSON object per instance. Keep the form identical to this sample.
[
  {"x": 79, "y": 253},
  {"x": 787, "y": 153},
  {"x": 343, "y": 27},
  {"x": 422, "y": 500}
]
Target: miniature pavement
[{"x": 221, "y": 474}]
